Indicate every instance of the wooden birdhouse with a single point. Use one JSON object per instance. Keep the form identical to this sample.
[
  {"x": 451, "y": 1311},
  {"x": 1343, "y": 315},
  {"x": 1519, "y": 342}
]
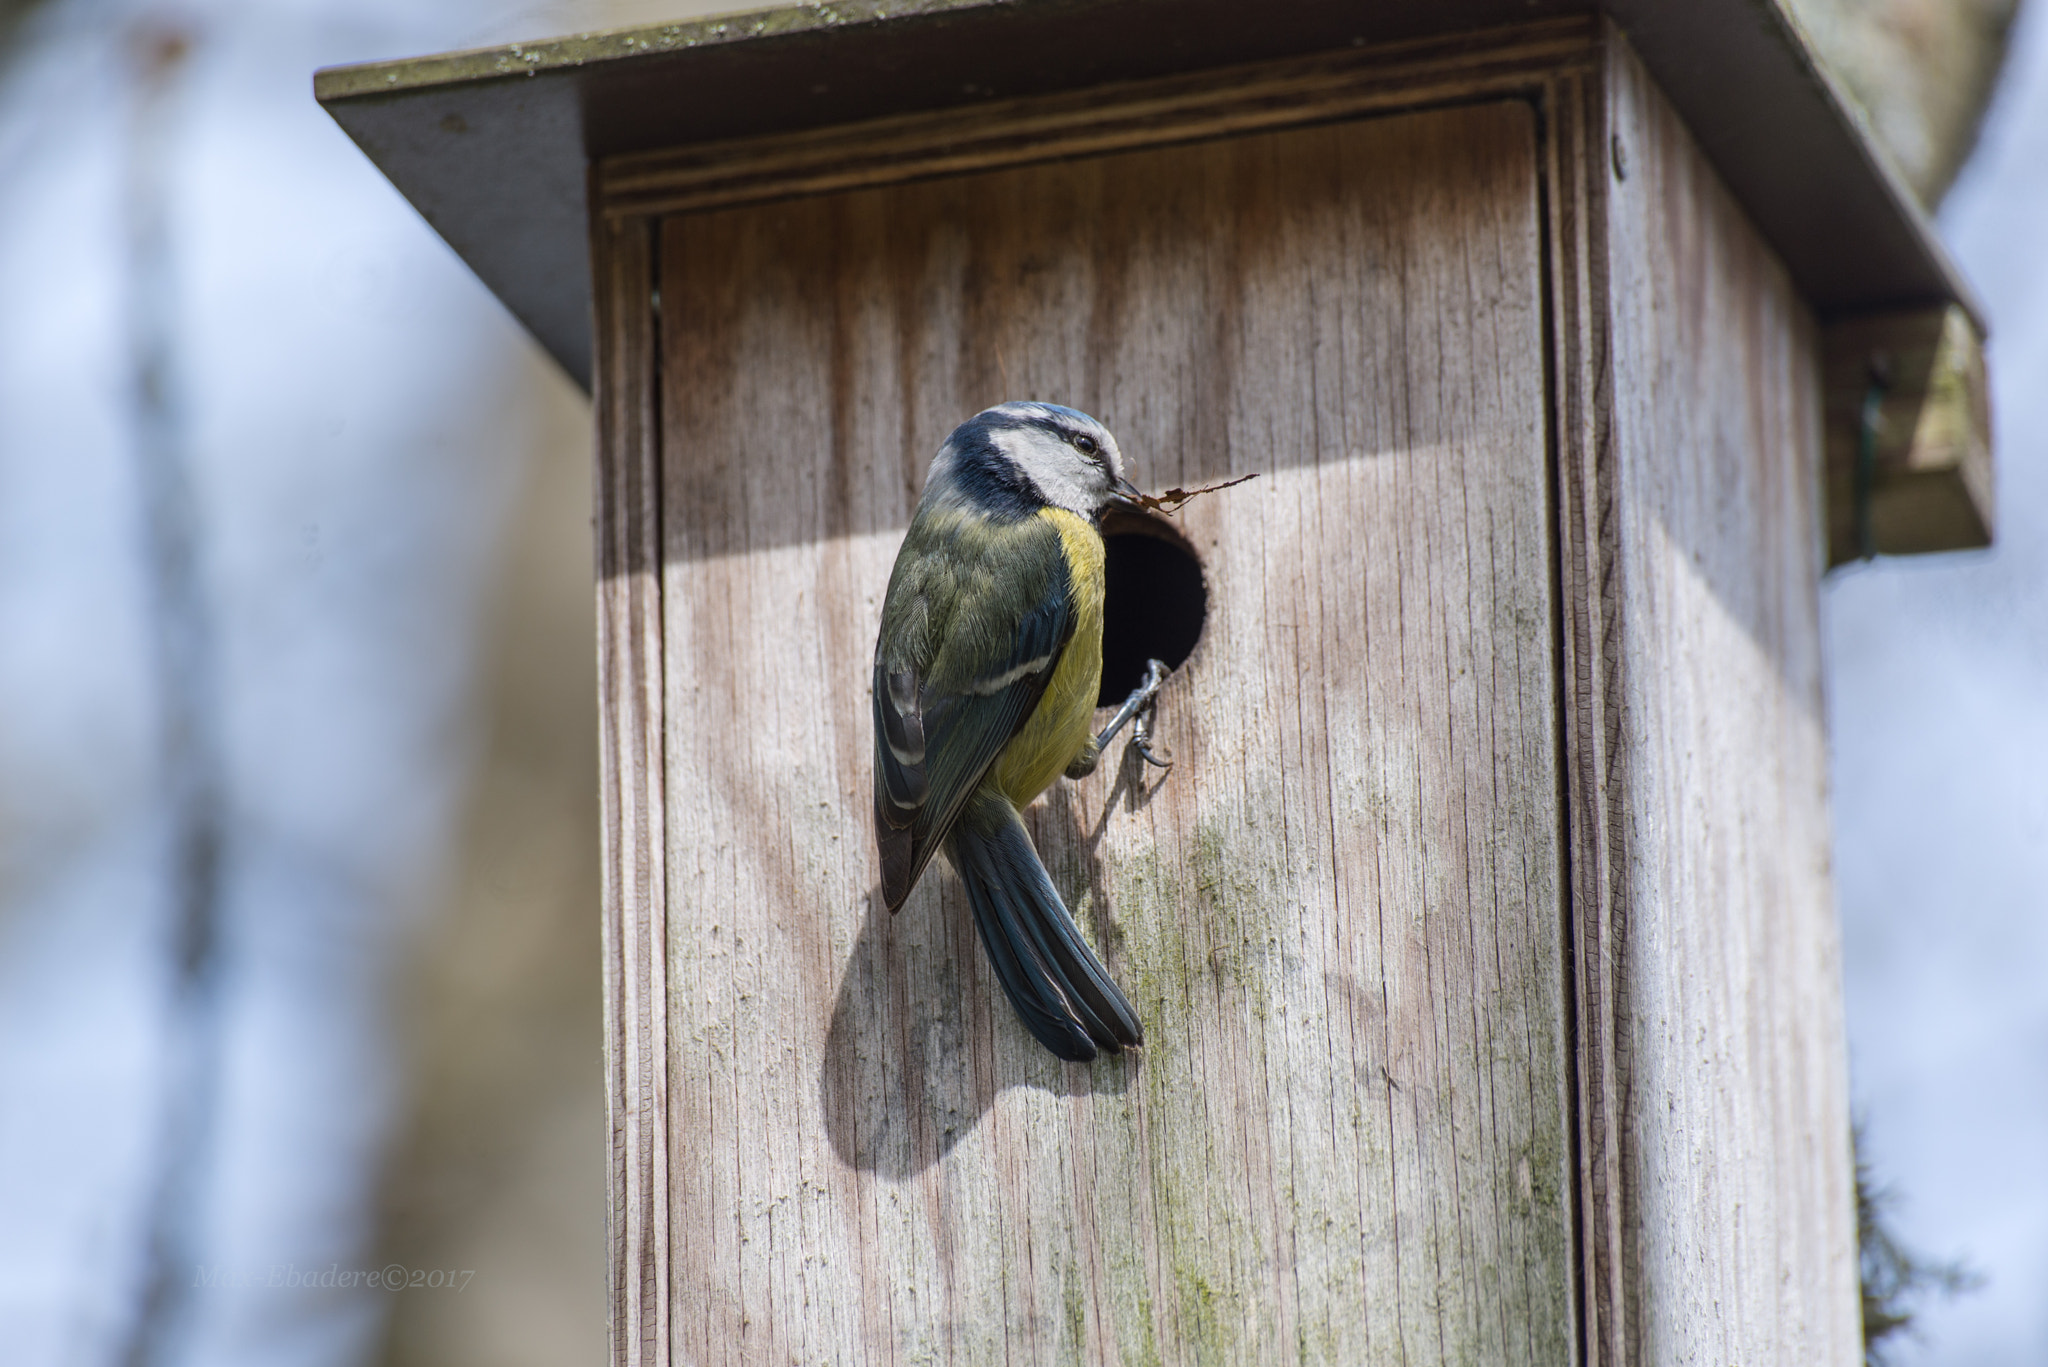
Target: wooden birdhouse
[{"x": 1482, "y": 930}]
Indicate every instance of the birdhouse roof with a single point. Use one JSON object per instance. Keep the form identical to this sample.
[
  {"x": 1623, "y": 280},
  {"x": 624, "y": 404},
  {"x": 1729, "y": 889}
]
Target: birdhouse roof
[{"x": 493, "y": 146}]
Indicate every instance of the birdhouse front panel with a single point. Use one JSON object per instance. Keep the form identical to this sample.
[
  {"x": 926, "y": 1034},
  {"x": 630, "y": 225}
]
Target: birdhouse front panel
[{"x": 1338, "y": 915}]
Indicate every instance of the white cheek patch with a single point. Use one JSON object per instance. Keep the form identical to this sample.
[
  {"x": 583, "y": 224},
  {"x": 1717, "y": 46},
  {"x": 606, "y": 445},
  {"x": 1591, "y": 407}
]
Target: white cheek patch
[{"x": 1063, "y": 475}]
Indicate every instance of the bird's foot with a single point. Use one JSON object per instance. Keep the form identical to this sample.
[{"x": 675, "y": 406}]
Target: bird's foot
[
  {"x": 1140, "y": 705},
  {"x": 1141, "y": 736}
]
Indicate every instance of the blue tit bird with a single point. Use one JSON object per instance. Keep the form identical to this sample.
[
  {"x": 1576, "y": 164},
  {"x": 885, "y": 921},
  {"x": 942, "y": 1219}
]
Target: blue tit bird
[{"x": 986, "y": 674}]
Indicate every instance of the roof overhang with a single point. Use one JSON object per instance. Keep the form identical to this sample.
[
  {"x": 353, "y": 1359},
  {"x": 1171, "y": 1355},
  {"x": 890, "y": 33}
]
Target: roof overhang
[{"x": 494, "y": 146}]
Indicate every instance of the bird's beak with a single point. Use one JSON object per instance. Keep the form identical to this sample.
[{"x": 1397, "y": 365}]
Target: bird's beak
[{"x": 1125, "y": 490}]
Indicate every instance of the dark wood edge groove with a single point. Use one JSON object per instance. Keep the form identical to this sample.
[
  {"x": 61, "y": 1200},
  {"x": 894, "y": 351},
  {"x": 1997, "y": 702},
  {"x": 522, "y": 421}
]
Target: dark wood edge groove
[
  {"x": 631, "y": 786},
  {"x": 1589, "y": 705},
  {"x": 1558, "y": 120},
  {"x": 1201, "y": 107}
]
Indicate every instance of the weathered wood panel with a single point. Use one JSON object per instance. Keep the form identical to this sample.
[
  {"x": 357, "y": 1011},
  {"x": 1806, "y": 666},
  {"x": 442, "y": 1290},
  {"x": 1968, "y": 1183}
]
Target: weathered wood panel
[
  {"x": 1341, "y": 914},
  {"x": 1717, "y": 1178}
]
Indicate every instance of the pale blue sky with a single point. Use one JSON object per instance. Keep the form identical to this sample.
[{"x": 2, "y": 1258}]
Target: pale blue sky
[{"x": 1938, "y": 688}]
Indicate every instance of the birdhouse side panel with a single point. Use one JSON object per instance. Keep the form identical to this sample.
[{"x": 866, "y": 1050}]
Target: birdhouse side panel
[
  {"x": 1714, "y": 1021},
  {"x": 1340, "y": 914}
]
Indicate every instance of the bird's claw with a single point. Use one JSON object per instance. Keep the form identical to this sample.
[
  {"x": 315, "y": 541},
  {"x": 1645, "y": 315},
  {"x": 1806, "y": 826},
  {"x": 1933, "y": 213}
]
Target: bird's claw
[
  {"x": 1141, "y": 705},
  {"x": 1141, "y": 735}
]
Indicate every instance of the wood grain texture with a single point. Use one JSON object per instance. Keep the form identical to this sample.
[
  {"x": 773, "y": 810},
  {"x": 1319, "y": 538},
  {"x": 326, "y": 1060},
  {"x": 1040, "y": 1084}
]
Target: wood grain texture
[
  {"x": 1341, "y": 915},
  {"x": 1191, "y": 107},
  {"x": 629, "y": 664},
  {"x": 1716, "y": 1173}
]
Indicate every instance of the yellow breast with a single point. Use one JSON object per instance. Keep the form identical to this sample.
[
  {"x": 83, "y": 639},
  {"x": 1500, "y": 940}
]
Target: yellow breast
[{"x": 1064, "y": 719}]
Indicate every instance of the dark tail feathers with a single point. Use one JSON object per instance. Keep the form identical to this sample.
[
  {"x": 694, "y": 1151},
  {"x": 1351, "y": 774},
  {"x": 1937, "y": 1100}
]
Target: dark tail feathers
[{"x": 1060, "y": 989}]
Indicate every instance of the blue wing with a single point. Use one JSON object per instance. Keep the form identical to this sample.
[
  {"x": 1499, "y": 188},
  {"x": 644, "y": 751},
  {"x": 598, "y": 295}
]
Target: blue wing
[{"x": 978, "y": 614}]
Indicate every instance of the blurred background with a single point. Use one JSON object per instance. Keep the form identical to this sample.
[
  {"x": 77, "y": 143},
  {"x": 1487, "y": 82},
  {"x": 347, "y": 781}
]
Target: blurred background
[{"x": 298, "y": 860}]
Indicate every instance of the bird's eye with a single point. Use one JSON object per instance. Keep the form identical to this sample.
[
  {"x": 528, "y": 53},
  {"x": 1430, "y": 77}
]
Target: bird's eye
[{"x": 1085, "y": 445}]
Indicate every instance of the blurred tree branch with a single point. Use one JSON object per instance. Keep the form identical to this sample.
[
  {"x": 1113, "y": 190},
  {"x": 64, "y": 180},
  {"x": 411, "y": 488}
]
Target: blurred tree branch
[
  {"x": 1894, "y": 1278},
  {"x": 12, "y": 12},
  {"x": 184, "y": 683}
]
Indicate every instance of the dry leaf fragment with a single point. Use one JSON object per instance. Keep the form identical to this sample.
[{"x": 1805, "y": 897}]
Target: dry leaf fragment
[{"x": 1171, "y": 500}]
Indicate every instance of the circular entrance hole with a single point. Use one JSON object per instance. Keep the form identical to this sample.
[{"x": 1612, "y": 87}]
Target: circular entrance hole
[{"x": 1154, "y": 600}]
